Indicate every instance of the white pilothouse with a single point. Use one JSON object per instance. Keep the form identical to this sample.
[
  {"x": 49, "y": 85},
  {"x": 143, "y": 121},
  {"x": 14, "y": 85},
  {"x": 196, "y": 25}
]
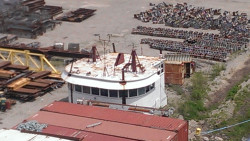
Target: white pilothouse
[{"x": 117, "y": 78}]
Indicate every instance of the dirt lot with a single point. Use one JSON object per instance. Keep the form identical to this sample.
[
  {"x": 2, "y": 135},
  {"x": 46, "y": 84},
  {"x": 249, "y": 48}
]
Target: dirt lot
[
  {"x": 112, "y": 17},
  {"x": 219, "y": 95}
]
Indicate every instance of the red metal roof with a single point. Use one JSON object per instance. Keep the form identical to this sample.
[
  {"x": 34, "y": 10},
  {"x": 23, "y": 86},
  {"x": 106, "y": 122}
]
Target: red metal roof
[
  {"x": 105, "y": 127},
  {"x": 107, "y": 114},
  {"x": 80, "y": 135}
]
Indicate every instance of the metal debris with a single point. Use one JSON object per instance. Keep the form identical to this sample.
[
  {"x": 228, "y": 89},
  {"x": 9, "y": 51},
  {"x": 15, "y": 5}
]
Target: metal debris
[
  {"x": 20, "y": 83},
  {"x": 77, "y": 16},
  {"x": 233, "y": 27},
  {"x": 200, "y": 37},
  {"x": 50, "y": 51},
  {"x": 216, "y": 53},
  {"x": 31, "y": 126},
  {"x": 183, "y": 15},
  {"x": 27, "y": 18}
]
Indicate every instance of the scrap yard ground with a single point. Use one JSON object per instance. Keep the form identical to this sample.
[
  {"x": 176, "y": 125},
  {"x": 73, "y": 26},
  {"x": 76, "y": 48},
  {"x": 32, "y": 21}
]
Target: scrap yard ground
[{"x": 112, "y": 17}]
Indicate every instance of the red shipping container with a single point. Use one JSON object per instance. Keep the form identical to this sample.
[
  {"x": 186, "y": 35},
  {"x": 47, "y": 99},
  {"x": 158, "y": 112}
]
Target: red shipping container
[
  {"x": 80, "y": 135},
  {"x": 164, "y": 123},
  {"x": 103, "y": 127}
]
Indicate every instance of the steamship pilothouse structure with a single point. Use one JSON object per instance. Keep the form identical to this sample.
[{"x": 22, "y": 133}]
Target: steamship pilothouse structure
[{"x": 117, "y": 78}]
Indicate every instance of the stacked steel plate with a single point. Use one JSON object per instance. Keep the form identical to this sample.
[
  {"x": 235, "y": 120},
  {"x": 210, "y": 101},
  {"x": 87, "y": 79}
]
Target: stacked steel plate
[
  {"x": 27, "y": 18},
  {"x": 19, "y": 82}
]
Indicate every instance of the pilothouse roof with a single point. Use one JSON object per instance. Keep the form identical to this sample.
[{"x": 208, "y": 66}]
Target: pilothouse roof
[{"x": 109, "y": 67}]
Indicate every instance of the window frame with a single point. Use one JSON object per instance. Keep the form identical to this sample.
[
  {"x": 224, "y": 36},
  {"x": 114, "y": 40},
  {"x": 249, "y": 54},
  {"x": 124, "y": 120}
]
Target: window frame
[
  {"x": 94, "y": 90},
  {"x": 89, "y": 90},
  {"x": 100, "y": 91},
  {"x": 130, "y": 91},
  {"x": 123, "y": 90},
  {"x": 143, "y": 92},
  {"x": 76, "y": 87},
  {"x": 117, "y": 93}
]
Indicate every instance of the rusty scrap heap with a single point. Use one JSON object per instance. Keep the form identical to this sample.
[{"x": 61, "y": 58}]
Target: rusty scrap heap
[
  {"x": 187, "y": 35},
  {"x": 78, "y": 15},
  {"x": 185, "y": 16},
  {"x": 7, "y": 38},
  {"x": 233, "y": 27},
  {"x": 27, "y": 18},
  {"x": 211, "y": 53},
  {"x": 197, "y": 44},
  {"x": 72, "y": 51}
]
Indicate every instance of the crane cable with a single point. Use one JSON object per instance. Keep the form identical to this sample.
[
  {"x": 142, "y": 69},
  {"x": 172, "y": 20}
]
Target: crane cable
[{"x": 208, "y": 132}]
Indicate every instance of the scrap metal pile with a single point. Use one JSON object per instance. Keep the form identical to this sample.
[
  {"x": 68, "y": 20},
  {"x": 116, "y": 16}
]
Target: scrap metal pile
[
  {"x": 32, "y": 125},
  {"x": 79, "y": 15},
  {"x": 211, "y": 53},
  {"x": 7, "y": 38},
  {"x": 233, "y": 27},
  {"x": 19, "y": 82},
  {"x": 50, "y": 51},
  {"x": 53, "y": 10},
  {"x": 33, "y": 5},
  {"x": 185, "y": 16},
  {"x": 198, "y": 44},
  {"x": 27, "y": 18},
  {"x": 187, "y": 35}
]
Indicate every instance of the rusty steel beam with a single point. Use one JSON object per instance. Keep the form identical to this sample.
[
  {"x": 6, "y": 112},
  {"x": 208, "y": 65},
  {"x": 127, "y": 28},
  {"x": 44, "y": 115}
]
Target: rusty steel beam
[
  {"x": 7, "y": 74},
  {"x": 54, "y": 76},
  {"x": 4, "y": 64},
  {"x": 37, "y": 85},
  {"x": 23, "y": 74},
  {"x": 49, "y": 51},
  {"x": 40, "y": 74},
  {"x": 26, "y": 91},
  {"x": 17, "y": 67},
  {"x": 45, "y": 81},
  {"x": 18, "y": 83}
]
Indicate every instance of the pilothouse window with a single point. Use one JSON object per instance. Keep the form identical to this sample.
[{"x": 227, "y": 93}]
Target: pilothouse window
[
  {"x": 104, "y": 92},
  {"x": 141, "y": 90},
  {"x": 152, "y": 86},
  {"x": 132, "y": 92},
  {"x": 86, "y": 89},
  {"x": 113, "y": 93},
  {"x": 147, "y": 89},
  {"x": 95, "y": 91},
  {"x": 78, "y": 88},
  {"x": 123, "y": 93}
]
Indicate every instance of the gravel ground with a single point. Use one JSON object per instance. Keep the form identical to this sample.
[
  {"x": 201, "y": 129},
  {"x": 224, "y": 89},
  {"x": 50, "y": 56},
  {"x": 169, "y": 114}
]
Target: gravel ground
[{"x": 112, "y": 17}]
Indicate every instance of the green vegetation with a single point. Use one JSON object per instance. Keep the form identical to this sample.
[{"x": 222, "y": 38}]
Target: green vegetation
[
  {"x": 194, "y": 108},
  {"x": 177, "y": 88},
  {"x": 217, "y": 68},
  {"x": 242, "y": 97},
  {"x": 233, "y": 91},
  {"x": 241, "y": 113},
  {"x": 199, "y": 86}
]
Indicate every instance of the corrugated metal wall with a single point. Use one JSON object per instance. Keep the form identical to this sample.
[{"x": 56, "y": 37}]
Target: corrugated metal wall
[{"x": 174, "y": 73}]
